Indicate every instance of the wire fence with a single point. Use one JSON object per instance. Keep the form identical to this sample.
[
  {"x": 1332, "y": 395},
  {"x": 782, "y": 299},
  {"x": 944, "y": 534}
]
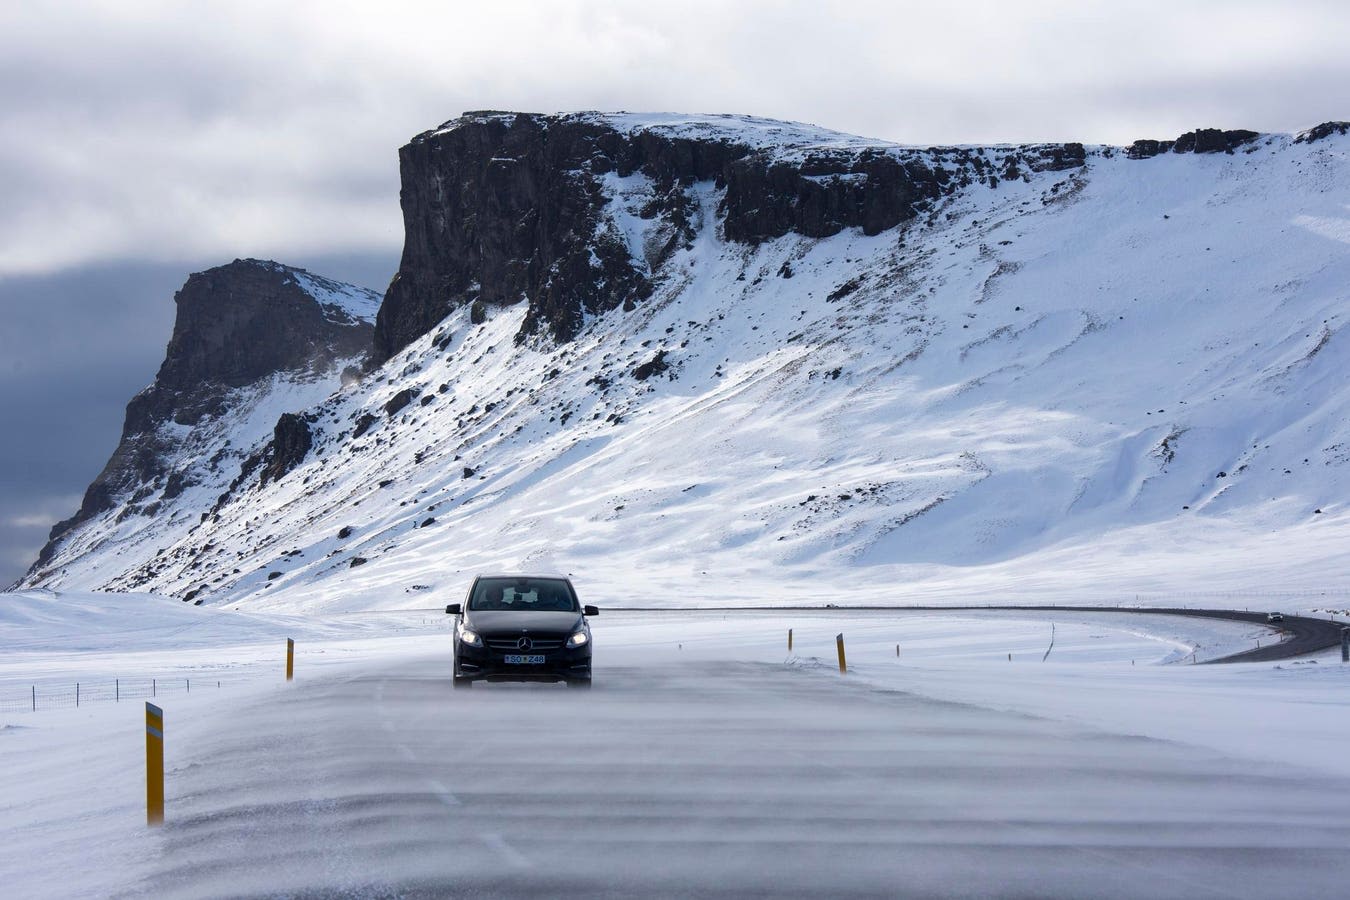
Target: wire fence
[{"x": 71, "y": 695}]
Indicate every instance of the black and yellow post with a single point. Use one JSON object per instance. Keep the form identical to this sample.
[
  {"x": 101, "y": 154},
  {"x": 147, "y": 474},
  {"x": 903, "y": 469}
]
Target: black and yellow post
[
  {"x": 290, "y": 659},
  {"x": 839, "y": 645},
  {"x": 154, "y": 765}
]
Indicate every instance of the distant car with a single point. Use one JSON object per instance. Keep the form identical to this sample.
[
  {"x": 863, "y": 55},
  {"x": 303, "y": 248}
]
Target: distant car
[
  {"x": 522, "y": 628},
  {"x": 1274, "y": 617}
]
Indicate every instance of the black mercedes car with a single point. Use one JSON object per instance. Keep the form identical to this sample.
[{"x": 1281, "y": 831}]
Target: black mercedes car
[{"x": 522, "y": 628}]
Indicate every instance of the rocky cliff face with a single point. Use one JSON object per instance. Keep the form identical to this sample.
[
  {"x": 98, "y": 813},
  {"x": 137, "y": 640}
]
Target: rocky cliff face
[
  {"x": 504, "y": 208},
  {"x": 238, "y": 326}
]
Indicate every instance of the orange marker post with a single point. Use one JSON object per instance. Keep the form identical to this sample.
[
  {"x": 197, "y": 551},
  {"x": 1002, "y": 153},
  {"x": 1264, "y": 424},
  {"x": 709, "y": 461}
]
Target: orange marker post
[{"x": 154, "y": 765}]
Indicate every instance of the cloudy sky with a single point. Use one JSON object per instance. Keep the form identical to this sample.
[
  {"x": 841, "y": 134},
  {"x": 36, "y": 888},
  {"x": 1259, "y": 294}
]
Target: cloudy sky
[{"x": 140, "y": 141}]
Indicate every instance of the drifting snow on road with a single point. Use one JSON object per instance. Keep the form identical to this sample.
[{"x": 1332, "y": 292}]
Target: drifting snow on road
[
  {"x": 706, "y": 761},
  {"x": 734, "y": 780}
]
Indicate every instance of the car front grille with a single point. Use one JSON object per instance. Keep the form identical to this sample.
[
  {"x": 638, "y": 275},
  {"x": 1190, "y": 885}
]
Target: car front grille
[{"x": 536, "y": 644}]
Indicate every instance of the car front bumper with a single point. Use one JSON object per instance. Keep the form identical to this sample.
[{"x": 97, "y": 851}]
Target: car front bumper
[{"x": 488, "y": 664}]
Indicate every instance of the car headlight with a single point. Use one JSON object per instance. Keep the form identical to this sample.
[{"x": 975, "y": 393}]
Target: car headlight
[
  {"x": 470, "y": 637},
  {"x": 579, "y": 639}
]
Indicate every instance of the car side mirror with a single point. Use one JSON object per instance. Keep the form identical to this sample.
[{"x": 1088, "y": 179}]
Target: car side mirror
[
  {"x": 591, "y": 611},
  {"x": 452, "y": 609}
]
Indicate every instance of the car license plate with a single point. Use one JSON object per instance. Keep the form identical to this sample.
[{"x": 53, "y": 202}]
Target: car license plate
[{"x": 513, "y": 659}]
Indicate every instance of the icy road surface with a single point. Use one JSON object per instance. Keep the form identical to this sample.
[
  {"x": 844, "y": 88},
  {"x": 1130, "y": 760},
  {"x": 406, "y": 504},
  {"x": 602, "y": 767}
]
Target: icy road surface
[{"x": 733, "y": 779}]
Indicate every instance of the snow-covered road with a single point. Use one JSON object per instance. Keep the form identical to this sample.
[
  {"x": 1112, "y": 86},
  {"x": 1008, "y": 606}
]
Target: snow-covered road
[
  {"x": 732, "y": 779},
  {"x": 707, "y": 760}
]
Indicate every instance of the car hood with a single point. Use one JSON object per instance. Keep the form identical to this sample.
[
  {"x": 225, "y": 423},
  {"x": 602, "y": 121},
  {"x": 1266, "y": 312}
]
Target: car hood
[{"x": 495, "y": 621}]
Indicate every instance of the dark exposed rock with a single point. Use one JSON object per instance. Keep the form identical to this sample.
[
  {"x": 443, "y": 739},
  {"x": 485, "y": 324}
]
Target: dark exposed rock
[
  {"x": 399, "y": 401},
  {"x": 654, "y": 366},
  {"x": 1146, "y": 148},
  {"x": 344, "y": 532},
  {"x": 178, "y": 482},
  {"x": 364, "y": 423},
  {"x": 237, "y": 324},
  {"x": 1065, "y": 156},
  {"x": 291, "y": 443},
  {"x": 844, "y": 290},
  {"x": 1323, "y": 131},
  {"x": 503, "y": 207},
  {"x": 356, "y": 561},
  {"x": 827, "y": 193},
  {"x": 1203, "y": 140},
  {"x": 1212, "y": 140}
]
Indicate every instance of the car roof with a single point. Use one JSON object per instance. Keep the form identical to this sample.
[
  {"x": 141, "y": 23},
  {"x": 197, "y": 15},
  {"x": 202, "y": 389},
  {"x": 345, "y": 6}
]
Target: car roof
[{"x": 553, "y": 575}]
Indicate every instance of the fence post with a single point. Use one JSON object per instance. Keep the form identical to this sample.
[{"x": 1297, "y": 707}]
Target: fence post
[
  {"x": 117, "y": 690},
  {"x": 154, "y": 689},
  {"x": 839, "y": 645},
  {"x": 290, "y": 659},
  {"x": 154, "y": 765},
  {"x": 789, "y": 640},
  {"x": 1345, "y": 645},
  {"x": 77, "y": 695},
  {"x": 35, "y": 698}
]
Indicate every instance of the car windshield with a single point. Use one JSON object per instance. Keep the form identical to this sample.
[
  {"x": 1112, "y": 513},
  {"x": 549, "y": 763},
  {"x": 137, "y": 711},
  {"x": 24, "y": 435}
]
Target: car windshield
[{"x": 552, "y": 594}]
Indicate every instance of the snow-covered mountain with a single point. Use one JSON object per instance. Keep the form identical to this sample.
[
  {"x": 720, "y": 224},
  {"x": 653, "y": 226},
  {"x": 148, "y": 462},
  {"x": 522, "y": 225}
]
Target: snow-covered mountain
[
  {"x": 723, "y": 359},
  {"x": 251, "y": 340}
]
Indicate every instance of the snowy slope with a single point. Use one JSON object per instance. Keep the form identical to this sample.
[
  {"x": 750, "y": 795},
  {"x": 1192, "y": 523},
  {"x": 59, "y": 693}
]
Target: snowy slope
[{"x": 1123, "y": 379}]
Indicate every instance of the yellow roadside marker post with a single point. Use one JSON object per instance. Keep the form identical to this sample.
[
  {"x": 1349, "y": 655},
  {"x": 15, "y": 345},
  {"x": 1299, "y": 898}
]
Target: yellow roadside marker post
[
  {"x": 154, "y": 765},
  {"x": 839, "y": 644},
  {"x": 290, "y": 659}
]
